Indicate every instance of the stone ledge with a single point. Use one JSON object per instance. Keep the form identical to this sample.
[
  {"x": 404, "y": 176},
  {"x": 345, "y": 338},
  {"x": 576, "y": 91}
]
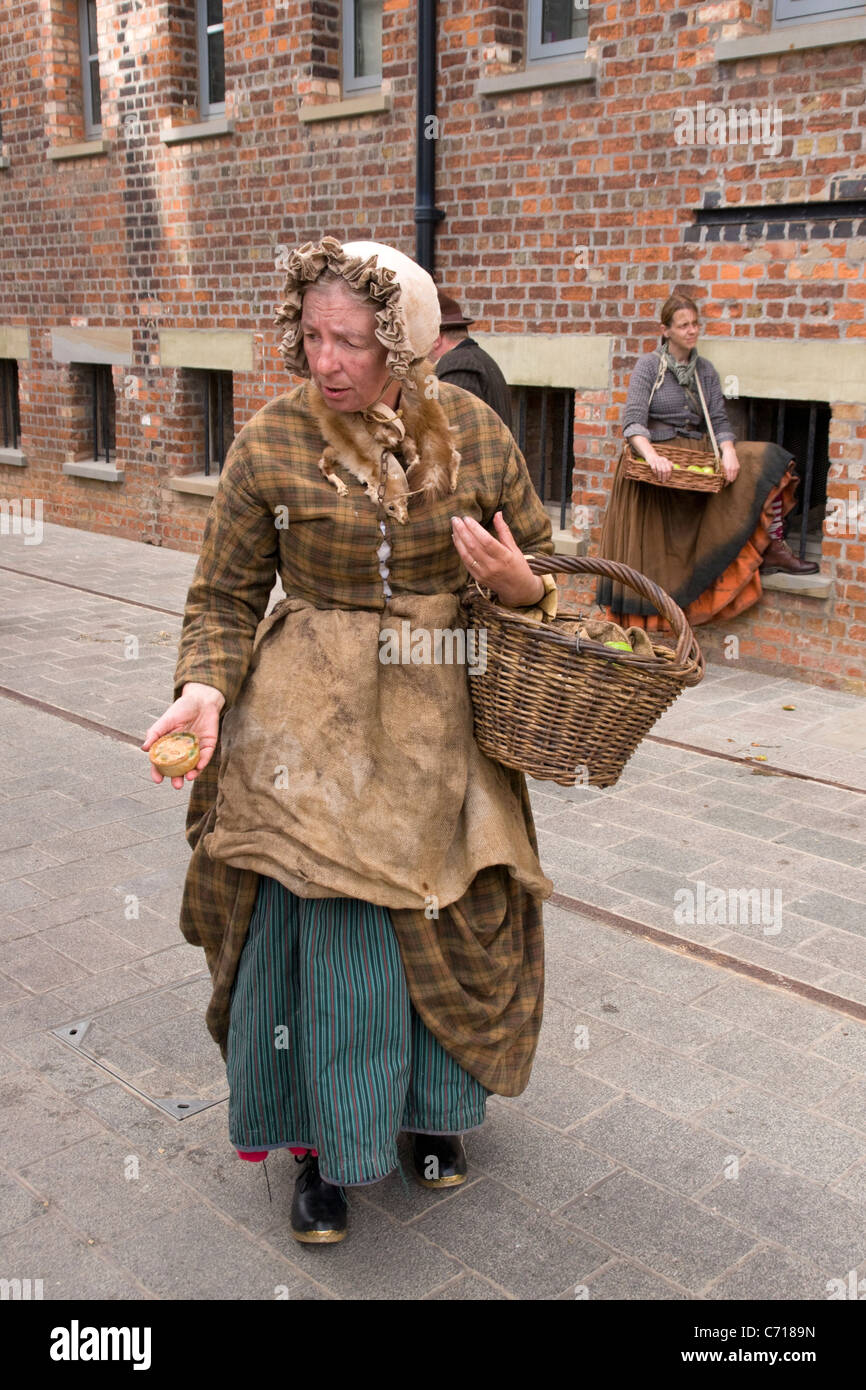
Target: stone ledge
[
  {"x": 91, "y": 468},
  {"x": 199, "y": 484},
  {"x": 567, "y": 543},
  {"x": 806, "y": 585},
  {"x": 207, "y": 349},
  {"x": 102, "y": 346},
  {"x": 821, "y": 34},
  {"x": 538, "y": 75},
  {"x": 4, "y": 161},
  {"x": 82, "y": 150},
  {"x": 15, "y": 341},
  {"x": 350, "y": 106},
  {"x": 199, "y": 130},
  {"x": 13, "y": 457}
]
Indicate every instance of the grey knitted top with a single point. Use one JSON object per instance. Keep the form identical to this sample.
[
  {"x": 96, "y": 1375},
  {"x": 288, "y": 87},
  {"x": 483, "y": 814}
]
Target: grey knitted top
[{"x": 672, "y": 411}]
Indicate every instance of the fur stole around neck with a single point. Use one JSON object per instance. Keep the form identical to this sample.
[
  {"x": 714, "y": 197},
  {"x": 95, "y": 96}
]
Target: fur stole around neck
[{"x": 366, "y": 443}]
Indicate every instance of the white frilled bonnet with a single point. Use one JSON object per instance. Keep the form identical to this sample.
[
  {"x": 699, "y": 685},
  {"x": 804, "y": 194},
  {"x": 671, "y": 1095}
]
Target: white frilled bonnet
[{"x": 405, "y": 296}]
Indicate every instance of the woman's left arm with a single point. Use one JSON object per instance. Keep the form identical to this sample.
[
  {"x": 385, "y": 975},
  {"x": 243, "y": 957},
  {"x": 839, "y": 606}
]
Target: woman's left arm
[
  {"x": 715, "y": 400},
  {"x": 521, "y": 524}
]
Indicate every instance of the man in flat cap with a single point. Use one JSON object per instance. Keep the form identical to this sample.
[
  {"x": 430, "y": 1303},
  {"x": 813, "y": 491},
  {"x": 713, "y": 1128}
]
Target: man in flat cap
[{"x": 463, "y": 362}]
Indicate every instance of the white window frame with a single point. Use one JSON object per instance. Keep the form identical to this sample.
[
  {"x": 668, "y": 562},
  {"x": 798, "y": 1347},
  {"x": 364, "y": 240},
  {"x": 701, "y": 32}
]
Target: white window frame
[
  {"x": 811, "y": 11},
  {"x": 206, "y": 107},
  {"x": 92, "y": 128},
  {"x": 351, "y": 83},
  {"x": 538, "y": 52}
]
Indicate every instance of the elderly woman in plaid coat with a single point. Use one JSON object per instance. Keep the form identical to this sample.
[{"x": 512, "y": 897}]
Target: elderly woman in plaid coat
[{"x": 364, "y": 881}]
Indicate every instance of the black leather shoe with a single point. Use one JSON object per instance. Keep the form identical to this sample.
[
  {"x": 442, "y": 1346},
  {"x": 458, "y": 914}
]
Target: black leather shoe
[
  {"x": 439, "y": 1159},
  {"x": 318, "y": 1207}
]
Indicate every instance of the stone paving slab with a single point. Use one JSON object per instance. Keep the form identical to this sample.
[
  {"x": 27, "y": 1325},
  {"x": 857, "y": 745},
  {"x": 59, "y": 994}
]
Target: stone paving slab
[{"x": 687, "y": 1133}]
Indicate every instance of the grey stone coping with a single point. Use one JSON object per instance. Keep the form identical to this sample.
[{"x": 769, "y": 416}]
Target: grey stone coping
[
  {"x": 362, "y": 105},
  {"x": 820, "y": 34},
  {"x": 200, "y": 484},
  {"x": 83, "y": 149},
  {"x": 14, "y": 457},
  {"x": 4, "y": 161},
  {"x": 90, "y": 468},
  {"x": 199, "y": 130},
  {"x": 538, "y": 75},
  {"x": 806, "y": 585}
]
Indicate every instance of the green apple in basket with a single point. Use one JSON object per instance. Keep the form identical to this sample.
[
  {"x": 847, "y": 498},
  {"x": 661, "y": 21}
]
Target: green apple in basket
[{"x": 619, "y": 646}]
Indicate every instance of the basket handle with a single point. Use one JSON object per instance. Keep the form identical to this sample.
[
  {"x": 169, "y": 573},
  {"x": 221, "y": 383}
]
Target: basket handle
[{"x": 611, "y": 569}]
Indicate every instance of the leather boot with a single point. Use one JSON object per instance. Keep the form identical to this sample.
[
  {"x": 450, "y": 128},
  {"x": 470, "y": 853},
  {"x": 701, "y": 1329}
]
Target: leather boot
[
  {"x": 439, "y": 1159},
  {"x": 779, "y": 559},
  {"x": 318, "y": 1207}
]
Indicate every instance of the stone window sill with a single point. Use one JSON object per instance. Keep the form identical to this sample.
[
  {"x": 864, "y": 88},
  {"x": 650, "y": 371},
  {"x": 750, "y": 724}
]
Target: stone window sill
[
  {"x": 14, "y": 457},
  {"x": 200, "y": 484},
  {"x": 200, "y": 130},
  {"x": 364, "y": 104},
  {"x": 94, "y": 468},
  {"x": 821, "y": 34},
  {"x": 567, "y": 543},
  {"x": 84, "y": 149},
  {"x": 4, "y": 161},
  {"x": 537, "y": 75},
  {"x": 806, "y": 585}
]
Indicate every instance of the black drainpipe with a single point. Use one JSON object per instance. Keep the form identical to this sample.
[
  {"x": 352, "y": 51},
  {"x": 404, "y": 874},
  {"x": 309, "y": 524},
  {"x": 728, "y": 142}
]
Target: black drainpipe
[{"x": 426, "y": 212}]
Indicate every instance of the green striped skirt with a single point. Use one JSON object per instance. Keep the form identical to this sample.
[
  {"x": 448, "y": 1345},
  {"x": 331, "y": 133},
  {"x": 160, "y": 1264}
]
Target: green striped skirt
[{"x": 325, "y": 1049}]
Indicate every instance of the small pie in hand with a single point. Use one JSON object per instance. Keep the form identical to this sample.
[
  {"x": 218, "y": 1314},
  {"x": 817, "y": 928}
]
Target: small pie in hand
[{"x": 174, "y": 754}]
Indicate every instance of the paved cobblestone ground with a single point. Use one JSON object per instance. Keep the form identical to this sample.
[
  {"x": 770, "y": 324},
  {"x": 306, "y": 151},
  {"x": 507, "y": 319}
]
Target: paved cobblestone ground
[{"x": 688, "y": 1133}]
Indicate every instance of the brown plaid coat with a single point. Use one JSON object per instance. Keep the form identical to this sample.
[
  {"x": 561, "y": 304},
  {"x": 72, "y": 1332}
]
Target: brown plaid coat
[{"x": 475, "y": 975}]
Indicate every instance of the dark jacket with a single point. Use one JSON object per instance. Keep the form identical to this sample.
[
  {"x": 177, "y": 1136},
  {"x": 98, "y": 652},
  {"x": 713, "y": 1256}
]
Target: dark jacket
[{"x": 469, "y": 366}]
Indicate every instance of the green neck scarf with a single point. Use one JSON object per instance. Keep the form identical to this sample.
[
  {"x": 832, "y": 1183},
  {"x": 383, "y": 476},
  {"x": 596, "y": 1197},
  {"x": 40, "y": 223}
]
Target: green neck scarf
[{"x": 683, "y": 371}]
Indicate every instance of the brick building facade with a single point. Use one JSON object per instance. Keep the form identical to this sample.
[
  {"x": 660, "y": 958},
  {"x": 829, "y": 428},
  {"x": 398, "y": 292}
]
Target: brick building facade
[{"x": 714, "y": 147}]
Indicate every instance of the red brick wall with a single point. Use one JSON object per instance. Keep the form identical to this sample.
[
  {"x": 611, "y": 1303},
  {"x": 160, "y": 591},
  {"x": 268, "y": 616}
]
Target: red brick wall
[{"x": 152, "y": 236}]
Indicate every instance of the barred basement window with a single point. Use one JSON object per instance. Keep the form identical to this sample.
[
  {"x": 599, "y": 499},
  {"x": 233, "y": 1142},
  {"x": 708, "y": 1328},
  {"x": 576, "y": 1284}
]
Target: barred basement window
[
  {"x": 803, "y": 428},
  {"x": 545, "y": 437},
  {"x": 102, "y": 414},
  {"x": 556, "y": 29},
  {"x": 211, "y": 58},
  {"x": 90, "y": 67},
  {"x": 362, "y": 44},
  {"x": 9, "y": 403},
  {"x": 218, "y": 410}
]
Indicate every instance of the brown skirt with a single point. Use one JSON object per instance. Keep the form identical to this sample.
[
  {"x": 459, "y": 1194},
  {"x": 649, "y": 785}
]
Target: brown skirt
[{"x": 704, "y": 549}]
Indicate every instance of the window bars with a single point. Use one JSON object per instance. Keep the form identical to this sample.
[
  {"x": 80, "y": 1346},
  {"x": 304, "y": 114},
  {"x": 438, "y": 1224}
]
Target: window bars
[{"x": 545, "y": 437}]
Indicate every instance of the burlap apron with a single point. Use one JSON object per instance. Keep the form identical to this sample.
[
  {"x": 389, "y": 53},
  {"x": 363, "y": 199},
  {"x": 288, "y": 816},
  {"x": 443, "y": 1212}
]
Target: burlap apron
[{"x": 343, "y": 773}]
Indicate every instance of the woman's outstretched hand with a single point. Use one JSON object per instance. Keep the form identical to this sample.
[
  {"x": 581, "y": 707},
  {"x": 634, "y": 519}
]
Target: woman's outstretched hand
[
  {"x": 196, "y": 710},
  {"x": 497, "y": 564}
]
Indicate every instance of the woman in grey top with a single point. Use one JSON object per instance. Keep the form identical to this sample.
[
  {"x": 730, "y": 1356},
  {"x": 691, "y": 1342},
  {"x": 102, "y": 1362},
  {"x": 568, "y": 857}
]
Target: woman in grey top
[{"x": 707, "y": 550}]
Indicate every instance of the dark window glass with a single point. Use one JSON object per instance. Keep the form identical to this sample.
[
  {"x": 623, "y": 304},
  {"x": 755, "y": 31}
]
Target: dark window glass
[
  {"x": 91, "y": 26},
  {"x": 562, "y": 20},
  {"x": 11, "y": 428},
  {"x": 95, "y": 95},
  {"x": 214, "y": 12},
  {"x": 368, "y": 37},
  {"x": 216, "y": 69}
]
